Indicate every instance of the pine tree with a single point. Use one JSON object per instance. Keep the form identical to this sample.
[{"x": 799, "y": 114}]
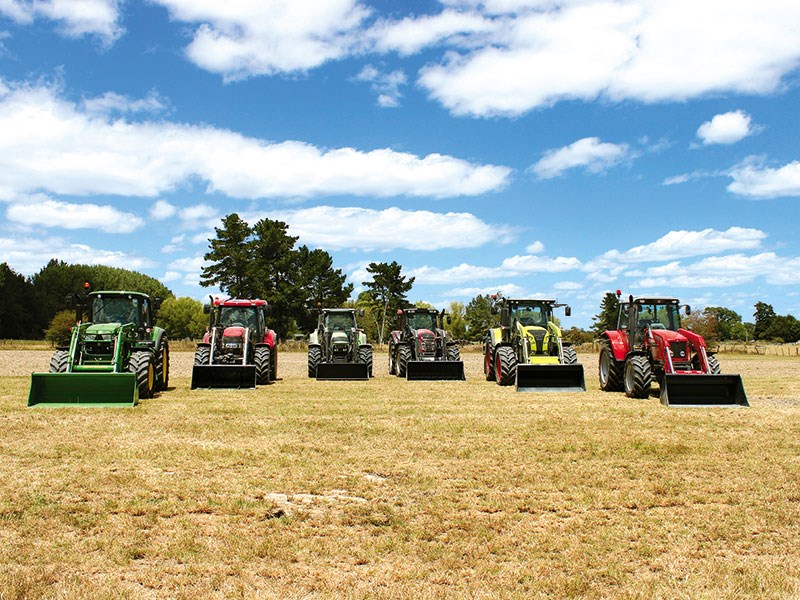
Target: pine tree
[{"x": 387, "y": 291}]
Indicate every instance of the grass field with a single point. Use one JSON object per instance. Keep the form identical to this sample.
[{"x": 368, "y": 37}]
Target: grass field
[{"x": 399, "y": 489}]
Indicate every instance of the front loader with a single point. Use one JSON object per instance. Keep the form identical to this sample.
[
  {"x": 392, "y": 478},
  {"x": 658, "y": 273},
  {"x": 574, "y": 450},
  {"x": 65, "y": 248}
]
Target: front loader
[
  {"x": 527, "y": 349},
  {"x": 421, "y": 349},
  {"x": 114, "y": 358},
  {"x": 650, "y": 345},
  {"x": 337, "y": 348},
  {"x": 238, "y": 349}
]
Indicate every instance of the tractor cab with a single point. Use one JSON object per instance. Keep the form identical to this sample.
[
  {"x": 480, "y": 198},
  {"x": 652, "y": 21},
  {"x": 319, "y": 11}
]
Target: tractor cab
[
  {"x": 344, "y": 320},
  {"x": 531, "y": 314},
  {"x": 122, "y": 308}
]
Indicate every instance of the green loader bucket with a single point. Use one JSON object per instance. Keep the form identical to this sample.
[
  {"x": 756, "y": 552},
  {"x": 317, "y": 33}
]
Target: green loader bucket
[
  {"x": 703, "y": 390},
  {"x": 550, "y": 378},
  {"x": 433, "y": 370},
  {"x": 83, "y": 389},
  {"x": 223, "y": 376},
  {"x": 343, "y": 371}
]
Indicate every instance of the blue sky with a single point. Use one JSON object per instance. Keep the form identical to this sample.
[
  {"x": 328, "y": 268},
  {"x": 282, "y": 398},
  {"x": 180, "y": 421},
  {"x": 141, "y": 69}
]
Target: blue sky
[{"x": 538, "y": 147}]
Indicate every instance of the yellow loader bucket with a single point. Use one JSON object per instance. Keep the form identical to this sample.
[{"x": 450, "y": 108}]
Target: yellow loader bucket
[
  {"x": 224, "y": 376},
  {"x": 83, "y": 389},
  {"x": 343, "y": 371},
  {"x": 433, "y": 370},
  {"x": 550, "y": 378},
  {"x": 703, "y": 390}
]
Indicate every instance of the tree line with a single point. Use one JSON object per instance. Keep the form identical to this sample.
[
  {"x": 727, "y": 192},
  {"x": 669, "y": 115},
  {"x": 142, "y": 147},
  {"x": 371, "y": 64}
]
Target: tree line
[{"x": 264, "y": 261}]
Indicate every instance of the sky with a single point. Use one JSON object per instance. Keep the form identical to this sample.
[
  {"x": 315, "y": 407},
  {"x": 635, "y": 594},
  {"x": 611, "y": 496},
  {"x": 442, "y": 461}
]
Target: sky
[{"x": 556, "y": 148}]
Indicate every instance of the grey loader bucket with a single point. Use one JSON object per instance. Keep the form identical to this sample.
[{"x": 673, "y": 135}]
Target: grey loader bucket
[
  {"x": 703, "y": 390},
  {"x": 550, "y": 378},
  {"x": 224, "y": 376},
  {"x": 343, "y": 371},
  {"x": 432, "y": 370}
]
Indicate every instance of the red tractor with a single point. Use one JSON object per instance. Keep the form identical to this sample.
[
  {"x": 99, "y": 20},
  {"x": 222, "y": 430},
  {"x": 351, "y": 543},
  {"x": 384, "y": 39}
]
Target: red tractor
[
  {"x": 238, "y": 350},
  {"x": 649, "y": 345}
]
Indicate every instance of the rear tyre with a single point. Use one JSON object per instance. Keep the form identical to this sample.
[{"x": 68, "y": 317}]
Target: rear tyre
[
  {"x": 638, "y": 377},
  {"x": 569, "y": 356},
  {"x": 314, "y": 356},
  {"x": 403, "y": 357},
  {"x": 162, "y": 366},
  {"x": 488, "y": 363},
  {"x": 453, "y": 353},
  {"x": 141, "y": 365},
  {"x": 365, "y": 356},
  {"x": 202, "y": 355},
  {"x": 609, "y": 369},
  {"x": 58, "y": 362},
  {"x": 505, "y": 365},
  {"x": 262, "y": 359}
]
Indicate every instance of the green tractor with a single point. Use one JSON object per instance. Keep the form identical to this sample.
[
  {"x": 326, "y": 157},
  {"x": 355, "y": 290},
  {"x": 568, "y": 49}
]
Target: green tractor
[
  {"x": 114, "y": 358},
  {"x": 527, "y": 349},
  {"x": 338, "y": 349}
]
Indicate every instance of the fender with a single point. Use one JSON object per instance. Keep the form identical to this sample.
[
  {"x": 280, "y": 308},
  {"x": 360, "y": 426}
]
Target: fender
[
  {"x": 619, "y": 344},
  {"x": 496, "y": 337},
  {"x": 697, "y": 341},
  {"x": 271, "y": 338},
  {"x": 395, "y": 337}
]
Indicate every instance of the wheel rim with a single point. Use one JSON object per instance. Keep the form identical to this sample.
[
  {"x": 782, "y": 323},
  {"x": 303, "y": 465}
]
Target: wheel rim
[
  {"x": 498, "y": 371},
  {"x": 628, "y": 376},
  {"x": 151, "y": 377},
  {"x": 604, "y": 367}
]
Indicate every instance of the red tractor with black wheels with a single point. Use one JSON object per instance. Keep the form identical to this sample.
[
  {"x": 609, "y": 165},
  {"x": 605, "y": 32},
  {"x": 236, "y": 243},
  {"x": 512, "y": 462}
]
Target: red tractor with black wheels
[
  {"x": 238, "y": 350},
  {"x": 649, "y": 345}
]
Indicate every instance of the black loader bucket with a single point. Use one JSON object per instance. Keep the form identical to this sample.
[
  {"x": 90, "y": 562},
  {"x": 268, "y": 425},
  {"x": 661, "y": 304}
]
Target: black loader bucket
[
  {"x": 703, "y": 390},
  {"x": 343, "y": 371},
  {"x": 550, "y": 378},
  {"x": 432, "y": 370},
  {"x": 83, "y": 389},
  {"x": 223, "y": 376}
]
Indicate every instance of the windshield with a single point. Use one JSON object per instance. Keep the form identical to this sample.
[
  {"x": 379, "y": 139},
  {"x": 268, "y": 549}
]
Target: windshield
[
  {"x": 339, "y": 321},
  {"x": 531, "y": 314},
  {"x": 237, "y": 316},
  {"x": 115, "y": 310},
  {"x": 422, "y": 321},
  {"x": 659, "y": 316}
]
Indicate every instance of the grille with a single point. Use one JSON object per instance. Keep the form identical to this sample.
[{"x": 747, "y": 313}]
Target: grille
[{"x": 679, "y": 351}]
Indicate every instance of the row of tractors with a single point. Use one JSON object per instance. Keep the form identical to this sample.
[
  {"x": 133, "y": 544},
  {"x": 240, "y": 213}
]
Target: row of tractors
[{"x": 116, "y": 355}]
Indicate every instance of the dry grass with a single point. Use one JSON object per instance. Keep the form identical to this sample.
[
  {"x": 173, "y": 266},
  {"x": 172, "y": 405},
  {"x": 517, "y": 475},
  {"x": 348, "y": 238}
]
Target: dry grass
[{"x": 397, "y": 489}]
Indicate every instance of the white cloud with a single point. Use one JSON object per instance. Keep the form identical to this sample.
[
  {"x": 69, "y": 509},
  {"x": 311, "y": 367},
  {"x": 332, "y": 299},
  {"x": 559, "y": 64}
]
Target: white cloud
[
  {"x": 247, "y": 38},
  {"x": 725, "y": 128},
  {"x": 509, "y": 290},
  {"x": 49, "y": 144},
  {"x": 725, "y": 271},
  {"x": 590, "y": 153},
  {"x": 540, "y": 264},
  {"x": 77, "y": 17},
  {"x": 568, "y": 285},
  {"x": 29, "y": 255},
  {"x": 45, "y": 212},
  {"x": 755, "y": 181},
  {"x": 682, "y": 244},
  {"x": 386, "y": 85},
  {"x": 368, "y": 229},
  {"x": 162, "y": 209},
  {"x": 645, "y": 50},
  {"x": 677, "y": 179},
  {"x": 510, "y": 267},
  {"x": 111, "y": 103},
  {"x": 534, "y": 248}
]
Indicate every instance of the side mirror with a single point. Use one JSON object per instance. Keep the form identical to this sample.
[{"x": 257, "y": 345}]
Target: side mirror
[
  {"x": 567, "y": 311},
  {"x": 69, "y": 300},
  {"x": 688, "y": 310},
  {"x": 206, "y": 309},
  {"x": 156, "y": 303},
  {"x": 448, "y": 320},
  {"x": 361, "y": 313}
]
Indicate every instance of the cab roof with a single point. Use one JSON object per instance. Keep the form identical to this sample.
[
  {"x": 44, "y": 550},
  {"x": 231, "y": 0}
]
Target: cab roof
[
  {"x": 652, "y": 300},
  {"x": 117, "y": 293},
  {"x": 239, "y": 302}
]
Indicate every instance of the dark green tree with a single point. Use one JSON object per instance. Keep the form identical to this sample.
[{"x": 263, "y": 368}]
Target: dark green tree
[
  {"x": 19, "y": 317},
  {"x": 764, "y": 315},
  {"x": 479, "y": 318},
  {"x": 231, "y": 258},
  {"x": 458, "y": 324},
  {"x": 606, "y": 319},
  {"x": 729, "y": 323},
  {"x": 320, "y": 285},
  {"x": 182, "y": 318},
  {"x": 387, "y": 291}
]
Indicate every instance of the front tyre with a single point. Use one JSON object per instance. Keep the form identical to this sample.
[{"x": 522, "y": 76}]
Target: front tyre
[
  {"x": 162, "y": 366},
  {"x": 365, "y": 357},
  {"x": 453, "y": 353},
  {"x": 403, "y": 358},
  {"x": 202, "y": 355},
  {"x": 314, "y": 357},
  {"x": 569, "y": 356},
  {"x": 505, "y": 365},
  {"x": 638, "y": 377},
  {"x": 263, "y": 360},
  {"x": 141, "y": 365},
  {"x": 58, "y": 362}
]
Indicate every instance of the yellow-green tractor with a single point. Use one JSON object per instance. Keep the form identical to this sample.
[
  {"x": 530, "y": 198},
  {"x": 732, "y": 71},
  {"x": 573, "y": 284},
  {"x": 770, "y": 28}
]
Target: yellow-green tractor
[
  {"x": 114, "y": 358},
  {"x": 527, "y": 349}
]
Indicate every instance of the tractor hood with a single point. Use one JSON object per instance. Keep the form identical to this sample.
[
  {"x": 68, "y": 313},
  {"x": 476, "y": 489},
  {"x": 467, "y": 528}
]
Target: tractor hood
[
  {"x": 667, "y": 335},
  {"x": 339, "y": 337},
  {"x": 103, "y": 328},
  {"x": 233, "y": 332},
  {"x": 426, "y": 333}
]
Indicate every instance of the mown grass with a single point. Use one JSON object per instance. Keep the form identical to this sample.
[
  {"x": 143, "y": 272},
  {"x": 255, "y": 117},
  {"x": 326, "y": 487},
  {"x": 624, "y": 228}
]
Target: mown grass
[{"x": 396, "y": 489}]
